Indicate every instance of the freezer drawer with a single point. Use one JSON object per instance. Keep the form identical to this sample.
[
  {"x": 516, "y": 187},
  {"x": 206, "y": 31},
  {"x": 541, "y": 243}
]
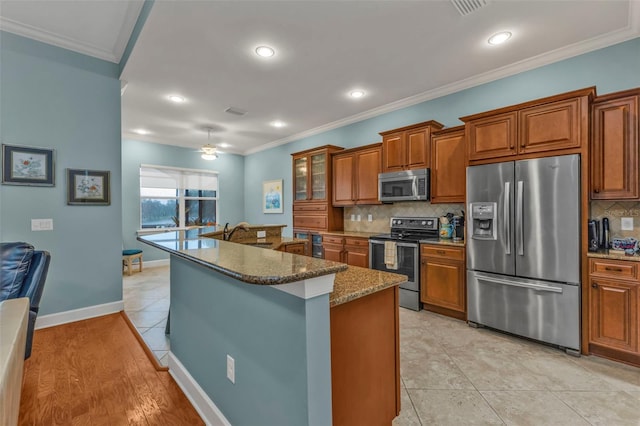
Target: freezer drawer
[{"x": 541, "y": 310}]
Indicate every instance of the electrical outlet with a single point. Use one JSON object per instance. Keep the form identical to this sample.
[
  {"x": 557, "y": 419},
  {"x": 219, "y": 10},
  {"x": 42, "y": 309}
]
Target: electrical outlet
[
  {"x": 231, "y": 369},
  {"x": 353, "y": 218},
  {"x": 261, "y": 234},
  {"x": 370, "y": 218},
  {"x": 626, "y": 224},
  {"x": 358, "y": 218}
]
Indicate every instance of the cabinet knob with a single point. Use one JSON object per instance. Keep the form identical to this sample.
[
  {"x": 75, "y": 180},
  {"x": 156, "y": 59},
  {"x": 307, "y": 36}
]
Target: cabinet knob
[
  {"x": 596, "y": 190},
  {"x": 594, "y": 285}
]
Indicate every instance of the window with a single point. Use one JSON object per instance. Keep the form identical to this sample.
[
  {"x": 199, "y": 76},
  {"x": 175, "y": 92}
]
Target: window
[{"x": 172, "y": 197}]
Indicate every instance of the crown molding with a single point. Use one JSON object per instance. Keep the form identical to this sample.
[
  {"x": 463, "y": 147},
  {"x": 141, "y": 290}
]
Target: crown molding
[
  {"x": 48, "y": 37},
  {"x": 69, "y": 43},
  {"x": 631, "y": 31}
]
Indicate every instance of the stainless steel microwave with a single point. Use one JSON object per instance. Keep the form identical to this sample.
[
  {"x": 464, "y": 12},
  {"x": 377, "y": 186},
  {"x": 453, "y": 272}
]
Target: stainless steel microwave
[{"x": 408, "y": 185}]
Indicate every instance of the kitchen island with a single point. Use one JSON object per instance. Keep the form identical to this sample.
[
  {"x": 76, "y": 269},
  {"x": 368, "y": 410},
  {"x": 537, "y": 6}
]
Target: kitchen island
[{"x": 267, "y": 337}]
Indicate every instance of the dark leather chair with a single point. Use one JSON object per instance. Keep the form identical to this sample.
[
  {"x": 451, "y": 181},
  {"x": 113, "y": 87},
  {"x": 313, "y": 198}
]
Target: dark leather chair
[{"x": 23, "y": 272}]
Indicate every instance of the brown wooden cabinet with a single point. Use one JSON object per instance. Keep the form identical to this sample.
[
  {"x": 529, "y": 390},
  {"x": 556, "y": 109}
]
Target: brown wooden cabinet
[
  {"x": 614, "y": 309},
  {"x": 443, "y": 281},
  {"x": 448, "y": 166},
  {"x": 355, "y": 175},
  {"x": 312, "y": 195},
  {"x": 365, "y": 360},
  {"x": 351, "y": 250},
  {"x": 294, "y": 248},
  {"x": 615, "y": 146},
  {"x": 408, "y": 147},
  {"x": 550, "y": 126}
]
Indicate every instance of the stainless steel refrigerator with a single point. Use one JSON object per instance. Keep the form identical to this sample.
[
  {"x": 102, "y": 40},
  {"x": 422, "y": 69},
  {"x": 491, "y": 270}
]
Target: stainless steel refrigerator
[{"x": 523, "y": 248}]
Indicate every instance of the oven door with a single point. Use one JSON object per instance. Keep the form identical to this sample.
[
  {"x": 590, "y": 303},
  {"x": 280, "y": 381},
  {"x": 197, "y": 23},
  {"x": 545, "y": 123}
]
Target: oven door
[{"x": 407, "y": 261}]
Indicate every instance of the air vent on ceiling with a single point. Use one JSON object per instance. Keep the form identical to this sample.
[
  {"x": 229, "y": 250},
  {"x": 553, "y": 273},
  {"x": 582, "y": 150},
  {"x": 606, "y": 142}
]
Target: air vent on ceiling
[
  {"x": 235, "y": 111},
  {"x": 465, "y": 7}
]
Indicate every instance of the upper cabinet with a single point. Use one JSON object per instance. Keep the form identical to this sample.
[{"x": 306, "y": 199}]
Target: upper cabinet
[
  {"x": 532, "y": 129},
  {"x": 448, "y": 166},
  {"x": 408, "y": 147},
  {"x": 615, "y": 146},
  {"x": 355, "y": 175},
  {"x": 311, "y": 174}
]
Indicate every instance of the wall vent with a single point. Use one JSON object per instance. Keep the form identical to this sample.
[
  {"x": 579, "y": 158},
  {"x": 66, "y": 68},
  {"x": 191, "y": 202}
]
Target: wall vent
[
  {"x": 465, "y": 7},
  {"x": 235, "y": 111}
]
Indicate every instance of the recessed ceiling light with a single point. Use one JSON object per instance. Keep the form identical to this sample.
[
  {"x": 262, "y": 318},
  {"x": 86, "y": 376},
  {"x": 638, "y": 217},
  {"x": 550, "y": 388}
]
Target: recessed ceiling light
[
  {"x": 224, "y": 145},
  {"x": 176, "y": 98},
  {"x": 265, "y": 51},
  {"x": 499, "y": 38},
  {"x": 141, "y": 131},
  {"x": 356, "y": 94},
  {"x": 278, "y": 123}
]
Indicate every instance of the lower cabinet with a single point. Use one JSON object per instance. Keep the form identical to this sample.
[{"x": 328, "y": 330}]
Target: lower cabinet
[
  {"x": 351, "y": 250},
  {"x": 365, "y": 360},
  {"x": 443, "y": 280},
  {"x": 295, "y": 248},
  {"x": 614, "y": 309}
]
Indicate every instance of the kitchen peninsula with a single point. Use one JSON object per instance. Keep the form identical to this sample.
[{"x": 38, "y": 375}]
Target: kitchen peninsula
[{"x": 268, "y": 337}]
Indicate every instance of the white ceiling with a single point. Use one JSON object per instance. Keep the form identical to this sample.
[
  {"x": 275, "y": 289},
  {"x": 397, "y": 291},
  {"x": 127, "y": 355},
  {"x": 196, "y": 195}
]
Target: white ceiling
[{"x": 399, "y": 52}]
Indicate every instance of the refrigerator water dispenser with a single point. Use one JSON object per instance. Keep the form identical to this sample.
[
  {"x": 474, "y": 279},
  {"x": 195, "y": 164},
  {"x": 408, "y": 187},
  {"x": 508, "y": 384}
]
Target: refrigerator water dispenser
[{"x": 483, "y": 221}]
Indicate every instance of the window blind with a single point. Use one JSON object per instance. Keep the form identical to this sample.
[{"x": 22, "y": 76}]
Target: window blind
[{"x": 180, "y": 179}]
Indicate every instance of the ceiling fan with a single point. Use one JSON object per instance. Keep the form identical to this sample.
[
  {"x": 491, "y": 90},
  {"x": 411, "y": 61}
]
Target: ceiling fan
[{"x": 209, "y": 152}]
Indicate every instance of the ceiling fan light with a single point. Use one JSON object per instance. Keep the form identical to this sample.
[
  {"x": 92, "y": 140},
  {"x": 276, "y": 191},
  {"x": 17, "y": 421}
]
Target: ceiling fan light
[{"x": 209, "y": 157}]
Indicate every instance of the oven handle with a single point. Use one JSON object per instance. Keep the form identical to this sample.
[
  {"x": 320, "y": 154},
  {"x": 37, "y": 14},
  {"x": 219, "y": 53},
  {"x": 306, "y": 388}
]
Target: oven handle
[{"x": 397, "y": 244}]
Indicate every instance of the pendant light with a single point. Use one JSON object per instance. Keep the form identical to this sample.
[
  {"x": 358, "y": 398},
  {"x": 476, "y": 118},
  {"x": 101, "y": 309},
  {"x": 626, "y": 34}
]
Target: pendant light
[{"x": 208, "y": 151}]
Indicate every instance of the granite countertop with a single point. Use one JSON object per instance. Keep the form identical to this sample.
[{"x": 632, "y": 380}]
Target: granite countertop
[
  {"x": 605, "y": 254},
  {"x": 357, "y": 234},
  {"x": 357, "y": 282},
  {"x": 445, "y": 242},
  {"x": 244, "y": 262}
]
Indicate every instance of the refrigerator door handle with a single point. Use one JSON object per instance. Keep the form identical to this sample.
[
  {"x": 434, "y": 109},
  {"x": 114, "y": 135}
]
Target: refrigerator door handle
[
  {"x": 507, "y": 217},
  {"x": 519, "y": 218},
  {"x": 519, "y": 284}
]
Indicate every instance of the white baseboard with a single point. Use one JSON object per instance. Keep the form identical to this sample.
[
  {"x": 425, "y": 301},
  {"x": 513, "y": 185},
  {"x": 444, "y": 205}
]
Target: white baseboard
[
  {"x": 44, "y": 321},
  {"x": 209, "y": 412},
  {"x": 155, "y": 263}
]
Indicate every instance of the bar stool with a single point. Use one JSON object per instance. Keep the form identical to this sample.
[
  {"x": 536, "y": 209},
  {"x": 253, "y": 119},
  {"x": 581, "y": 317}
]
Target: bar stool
[{"x": 128, "y": 256}]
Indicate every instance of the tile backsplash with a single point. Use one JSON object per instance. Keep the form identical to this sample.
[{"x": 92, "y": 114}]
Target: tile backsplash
[
  {"x": 615, "y": 211},
  {"x": 383, "y": 212}
]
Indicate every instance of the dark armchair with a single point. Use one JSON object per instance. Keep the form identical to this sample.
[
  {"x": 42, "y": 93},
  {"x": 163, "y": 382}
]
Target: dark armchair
[{"x": 23, "y": 272}]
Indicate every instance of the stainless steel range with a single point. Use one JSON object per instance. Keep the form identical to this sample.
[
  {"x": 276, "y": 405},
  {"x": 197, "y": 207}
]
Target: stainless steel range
[{"x": 401, "y": 253}]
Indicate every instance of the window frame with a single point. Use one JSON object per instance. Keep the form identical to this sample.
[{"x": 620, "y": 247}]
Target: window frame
[{"x": 180, "y": 197}]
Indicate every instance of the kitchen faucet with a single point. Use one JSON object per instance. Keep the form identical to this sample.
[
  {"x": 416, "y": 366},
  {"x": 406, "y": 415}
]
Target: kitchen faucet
[{"x": 226, "y": 234}]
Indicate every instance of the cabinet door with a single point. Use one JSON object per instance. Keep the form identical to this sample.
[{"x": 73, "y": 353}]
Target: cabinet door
[
  {"x": 295, "y": 248},
  {"x": 343, "y": 172},
  {"x": 418, "y": 148},
  {"x": 549, "y": 127},
  {"x": 448, "y": 172},
  {"x": 357, "y": 251},
  {"x": 442, "y": 283},
  {"x": 492, "y": 137},
  {"x": 318, "y": 177},
  {"x": 614, "y": 314},
  {"x": 368, "y": 166},
  {"x": 333, "y": 252},
  {"x": 393, "y": 152},
  {"x": 300, "y": 178},
  {"x": 614, "y": 160}
]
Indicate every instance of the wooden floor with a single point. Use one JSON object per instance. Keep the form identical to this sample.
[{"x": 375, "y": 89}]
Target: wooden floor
[{"x": 94, "y": 372}]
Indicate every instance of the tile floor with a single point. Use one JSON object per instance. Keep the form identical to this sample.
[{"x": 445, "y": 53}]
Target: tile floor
[{"x": 456, "y": 375}]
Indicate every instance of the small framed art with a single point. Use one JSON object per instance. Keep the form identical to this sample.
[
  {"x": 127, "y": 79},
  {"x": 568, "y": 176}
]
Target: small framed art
[
  {"x": 272, "y": 196},
  {"x": 88, "y": 187},
  {"x": 24, "y": 165}
]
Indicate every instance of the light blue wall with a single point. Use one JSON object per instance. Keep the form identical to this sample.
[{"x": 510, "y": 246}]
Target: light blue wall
[
  {"x": 280, "y": 344},
  {"x": 134, "y": 153},
  {"x": 611, "y": 69},
  {"x": 54, "y": 98}
]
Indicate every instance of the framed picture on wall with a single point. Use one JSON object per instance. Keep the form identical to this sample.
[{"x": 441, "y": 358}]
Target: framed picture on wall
[
  {"x": 272, "y": 196},
  {"x": 24, "y": 165},
  {"x": 88, "y": 187}
]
